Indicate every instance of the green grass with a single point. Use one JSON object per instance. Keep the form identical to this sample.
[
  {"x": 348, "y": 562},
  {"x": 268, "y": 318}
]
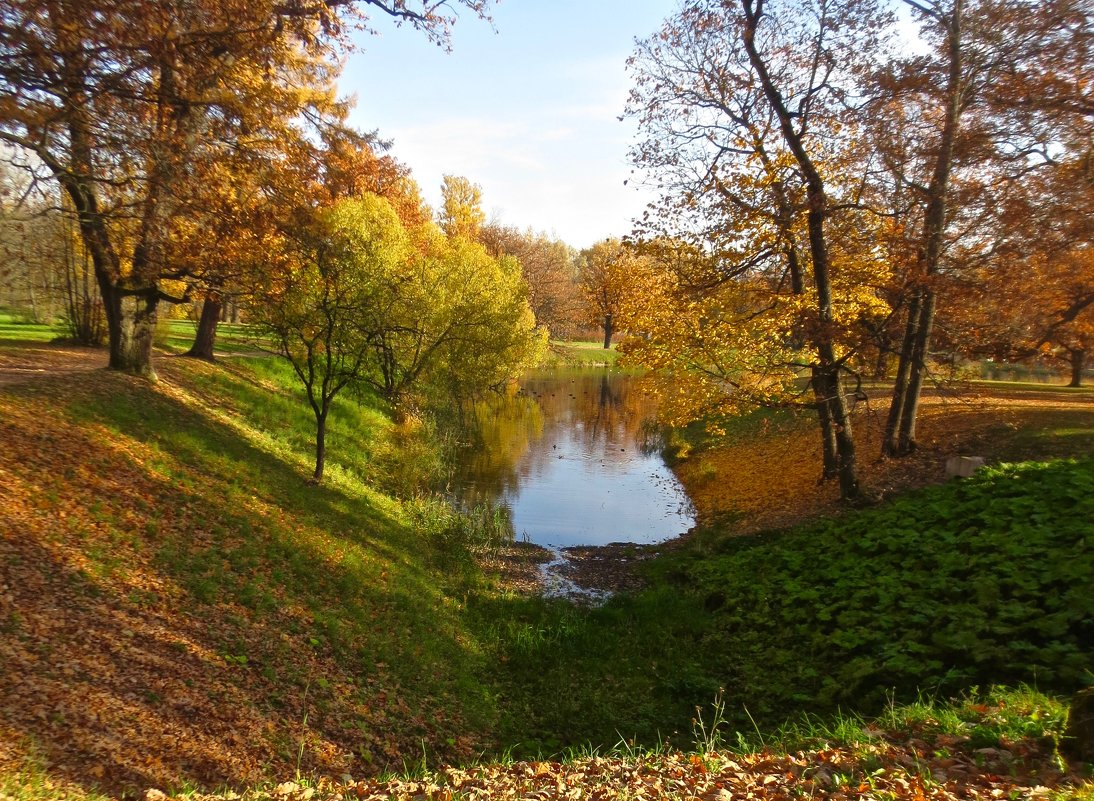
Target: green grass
[
  {"x": 329, "y": 594},
  {"x": 177, "y": 336},
  {"x": 580, "y": 354},
  {"x": 970, "y": 584},
  {"x": 18, "y": 327},
  {"x": 801, "y": 634}
]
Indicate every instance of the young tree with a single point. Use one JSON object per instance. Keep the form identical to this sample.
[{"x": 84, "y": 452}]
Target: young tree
[
  {"x": 355, "y": 297},
  {"x": 323, "y": 299},
  {"x": 456, "y": 320}
]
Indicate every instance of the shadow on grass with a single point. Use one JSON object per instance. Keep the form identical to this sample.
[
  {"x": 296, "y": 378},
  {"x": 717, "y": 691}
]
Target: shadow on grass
[{"x": 189, "y": 610}]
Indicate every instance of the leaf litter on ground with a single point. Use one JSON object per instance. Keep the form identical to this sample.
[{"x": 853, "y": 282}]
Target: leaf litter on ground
[{"x": 896, "y": 768}]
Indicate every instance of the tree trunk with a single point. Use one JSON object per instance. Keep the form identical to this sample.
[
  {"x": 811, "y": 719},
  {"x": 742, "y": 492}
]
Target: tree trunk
[
  {"x": 131, "y": 325},
  {"x": 906, "y": 443},
  {"x": 206, "y": 336},
  {"x": 320, "y": 446},
  {"x": 828, "y": 366},
  {"x": 827, "y": 370},
  {"x": 839, "y": 417},
  {"x": 899, "y": 439},
  {"x": 890, "y": 442},
  {"x": 608, "y": 329},
  {"x": 1078, "y": 360},
  {"x": 830, "y": 467},
  {"x": 881, "y": 365}
]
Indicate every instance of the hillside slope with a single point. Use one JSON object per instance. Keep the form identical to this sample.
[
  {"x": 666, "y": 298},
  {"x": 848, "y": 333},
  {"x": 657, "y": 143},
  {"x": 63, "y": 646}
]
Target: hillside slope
[
  {"x": 178, "y": 608},
  {"x": 176, "y": 604}
]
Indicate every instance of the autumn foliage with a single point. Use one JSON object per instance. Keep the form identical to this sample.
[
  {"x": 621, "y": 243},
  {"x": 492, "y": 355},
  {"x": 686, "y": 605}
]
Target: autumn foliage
[{"x": 835, "y": 196}]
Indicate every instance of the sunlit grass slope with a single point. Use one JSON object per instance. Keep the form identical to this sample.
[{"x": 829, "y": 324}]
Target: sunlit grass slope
[{"x": 176, "y": 604}]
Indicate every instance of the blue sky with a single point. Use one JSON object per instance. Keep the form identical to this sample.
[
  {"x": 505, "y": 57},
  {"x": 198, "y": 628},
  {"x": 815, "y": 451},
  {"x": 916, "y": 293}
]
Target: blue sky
[{"x": 529, "y": 112}]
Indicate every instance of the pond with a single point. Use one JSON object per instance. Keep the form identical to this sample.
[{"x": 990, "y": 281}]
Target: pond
[{"x": 567, "y": 456}]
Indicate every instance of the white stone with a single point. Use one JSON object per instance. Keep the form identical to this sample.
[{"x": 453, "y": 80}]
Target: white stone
[{"x": 963, "y": 466}]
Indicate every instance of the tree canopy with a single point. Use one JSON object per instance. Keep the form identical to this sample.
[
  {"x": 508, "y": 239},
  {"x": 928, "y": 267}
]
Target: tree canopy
[
  {"x": 354, "y": 296},
  {"x": 831, "y": 194}
]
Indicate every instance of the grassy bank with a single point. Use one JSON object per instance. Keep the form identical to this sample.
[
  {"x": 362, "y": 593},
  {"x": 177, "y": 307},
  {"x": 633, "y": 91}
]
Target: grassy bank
[
  {"x": 180, "y": 606},
  {"x": 183, "y": 610},
  {"x": 942, "y": 591},
  {"x": 580, "y": 354}
]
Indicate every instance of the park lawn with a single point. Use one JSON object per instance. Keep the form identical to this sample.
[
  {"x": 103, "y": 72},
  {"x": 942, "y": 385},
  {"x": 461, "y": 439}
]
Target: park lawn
[
  {"x": 185, "y": 611},
  {"x": 177, "y": 336},
  {"x": 580, "y": 354},
  {"x": 14, "y": 327}
]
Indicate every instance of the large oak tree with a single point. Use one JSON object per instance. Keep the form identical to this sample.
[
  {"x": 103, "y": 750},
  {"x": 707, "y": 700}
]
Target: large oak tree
[{"x": 743, "y": 105}]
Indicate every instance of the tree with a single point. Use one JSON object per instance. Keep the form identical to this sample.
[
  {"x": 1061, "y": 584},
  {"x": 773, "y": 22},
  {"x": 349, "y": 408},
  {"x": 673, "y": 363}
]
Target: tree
[
  {"x": 608, "y": 272},
  {"x": 745, "y": 111},
  {"x": 461, "y": 208},
  {"x": 243, "y": 199},
  {"x": 1032, "y": 295},
  {"x": 1001, "y": 84},
  {"x": 358, "y": 298},
  {"x": 950, "y": 102},
  {"x": 549, "y": 269},
  {"x": 459, "y": 323},
  {"x": 323, "y": 298},
  {"x": 114, "y": 99}
]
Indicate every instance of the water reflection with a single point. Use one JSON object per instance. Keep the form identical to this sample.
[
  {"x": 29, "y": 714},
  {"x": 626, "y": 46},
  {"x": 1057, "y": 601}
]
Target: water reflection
[{"x": 565, "y": 455}]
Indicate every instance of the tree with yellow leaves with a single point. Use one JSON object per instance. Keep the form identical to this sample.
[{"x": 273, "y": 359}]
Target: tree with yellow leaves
[
  {"x": 353, "y": 296},
  {"x": 743, "y": 108},
  {"x": 461, "y": 208},
  {"x": 609, "y": 274}
]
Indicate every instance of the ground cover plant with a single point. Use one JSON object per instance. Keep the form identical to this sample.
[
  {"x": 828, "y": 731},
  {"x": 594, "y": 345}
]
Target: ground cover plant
[{"x": 968, "y": 584}]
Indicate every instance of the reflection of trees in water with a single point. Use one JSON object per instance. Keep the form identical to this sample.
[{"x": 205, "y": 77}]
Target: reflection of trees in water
[
  {"x": 502, "y": 429},
  {"x": 596, "y": 411},
  {"x": 599, "y": 404}
]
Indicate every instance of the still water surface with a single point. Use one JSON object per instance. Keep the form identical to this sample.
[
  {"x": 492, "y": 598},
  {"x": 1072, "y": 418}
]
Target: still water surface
[{"x": 565, "y": 456}]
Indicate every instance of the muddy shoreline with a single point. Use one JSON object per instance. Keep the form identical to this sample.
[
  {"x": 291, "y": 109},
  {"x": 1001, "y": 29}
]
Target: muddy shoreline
[{"x": 583, "y": 574}]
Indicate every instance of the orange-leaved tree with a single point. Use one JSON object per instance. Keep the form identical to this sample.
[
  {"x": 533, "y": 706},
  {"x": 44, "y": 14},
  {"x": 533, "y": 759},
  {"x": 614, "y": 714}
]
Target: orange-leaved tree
[
  {"x": 549, "y": 267},
  {"x": 746, "y": 110},
  {"x": 610, "y": 276}
]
